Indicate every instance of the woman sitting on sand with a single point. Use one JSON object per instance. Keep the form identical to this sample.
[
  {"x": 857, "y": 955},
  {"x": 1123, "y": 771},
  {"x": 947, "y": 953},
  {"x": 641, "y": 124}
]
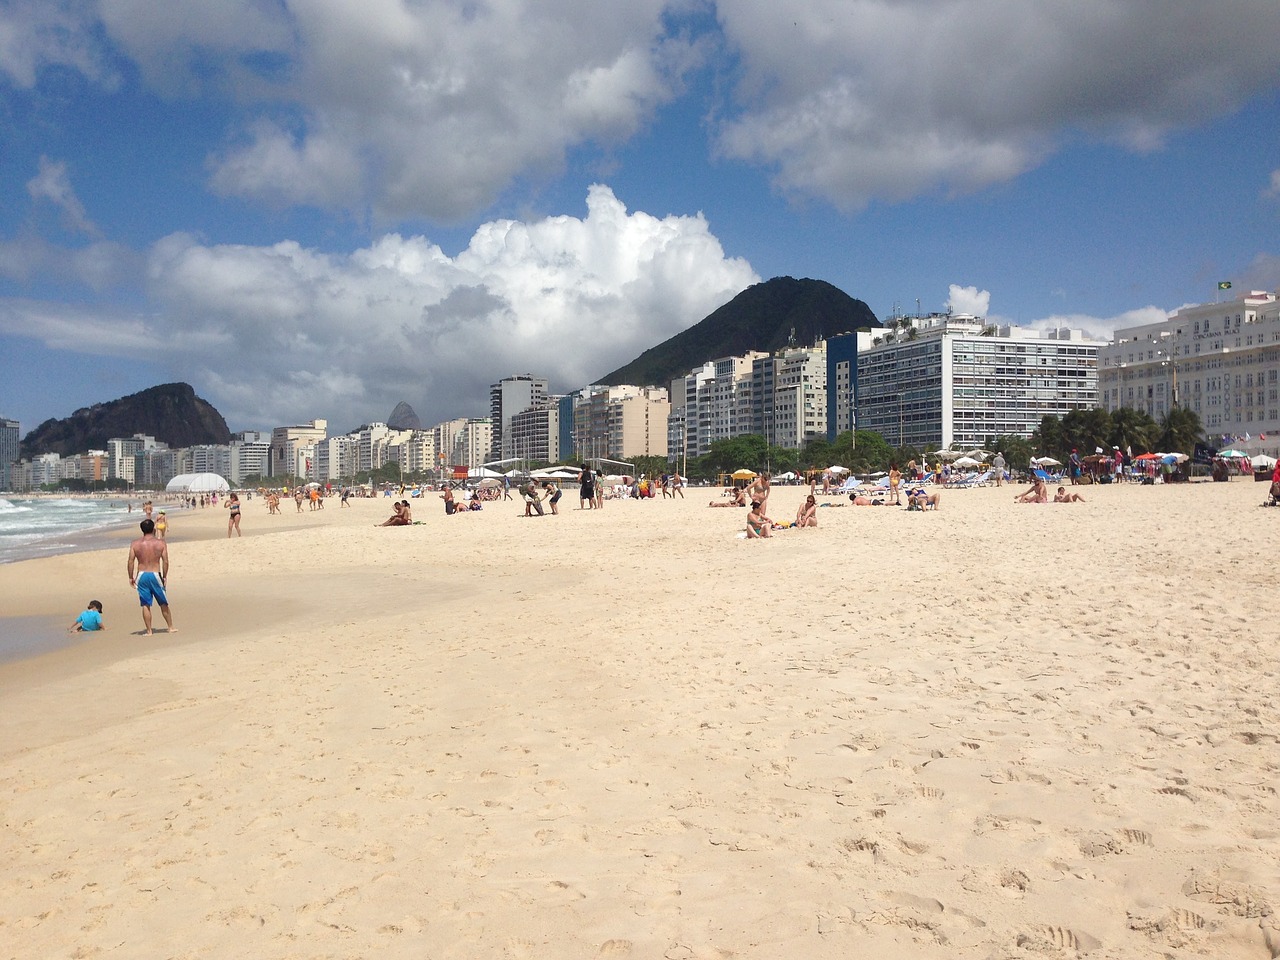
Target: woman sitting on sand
[
  {"x": 758, "y": 525},
  {"x": 807, "y": 515}
]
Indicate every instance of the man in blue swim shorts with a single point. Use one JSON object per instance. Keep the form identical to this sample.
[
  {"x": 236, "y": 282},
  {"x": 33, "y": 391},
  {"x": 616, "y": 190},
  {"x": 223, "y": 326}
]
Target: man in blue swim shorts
[{"x": 148, "y": 572}]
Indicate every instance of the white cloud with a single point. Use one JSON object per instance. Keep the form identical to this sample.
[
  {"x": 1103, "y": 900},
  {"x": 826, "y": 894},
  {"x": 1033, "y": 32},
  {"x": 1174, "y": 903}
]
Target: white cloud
[
  {"x": 1273, "y": 189},
  {"x": 52, "y": 183},
  {"x": 35, "y": 34},
  {"x": 855, "y": 100},
  {"x": 969, "y": 300},
  {"x": 282, "y": 333},
  {"x": 1100, "y": 328}
]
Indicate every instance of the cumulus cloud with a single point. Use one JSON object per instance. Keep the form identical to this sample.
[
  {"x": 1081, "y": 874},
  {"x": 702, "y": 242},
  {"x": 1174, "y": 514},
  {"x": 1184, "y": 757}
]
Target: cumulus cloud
[
  {"x": 281, "y": 333},
  {"x": 861, "y": 100},
  {"x": 1100, "y": 328},
  {"x": 969, "y": 300},
  {"x": 1273, "y": 189}
]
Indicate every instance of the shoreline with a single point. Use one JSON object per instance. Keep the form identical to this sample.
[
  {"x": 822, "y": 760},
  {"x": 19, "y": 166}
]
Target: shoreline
[{"x": 989, "y": 730}]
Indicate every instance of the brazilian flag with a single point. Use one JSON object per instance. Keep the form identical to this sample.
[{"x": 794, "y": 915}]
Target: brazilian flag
[{"x": 1224, "y": 285}]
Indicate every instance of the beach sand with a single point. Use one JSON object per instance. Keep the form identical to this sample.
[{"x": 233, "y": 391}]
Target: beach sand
[{"x": 990, "y": 731}]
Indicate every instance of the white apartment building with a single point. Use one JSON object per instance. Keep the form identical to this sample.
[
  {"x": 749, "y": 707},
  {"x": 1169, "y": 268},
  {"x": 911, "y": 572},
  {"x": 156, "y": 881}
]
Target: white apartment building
[
  {"x": 472, "y": 443},
  {"x": 1220, "y": 360},
  {"x": 508, "y": 397},
  {"x": 953, "y": 380},
  {"x": 718, "y": 403},
  {"x": 249, "y": 455},
  {"x": 789, "y": 396},
  {"x": 122, "y": 451},
  {"x": 534, "y": 433},
  {"x": 621, "y": 422},
  {"x": 335, "y": 459}
]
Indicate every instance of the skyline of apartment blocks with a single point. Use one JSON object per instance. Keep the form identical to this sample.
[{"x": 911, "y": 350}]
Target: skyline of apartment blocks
[
  {"x": 473, "y": 443},
  {"x": 842, "y": 383},
  {"x": 953, "y": 379},
  {"x": 789, "y": 396},
  {"x": 508, "y": 397},
  {"x": 620, "y": 422},
  {"x": 10, "y": 441},
  {"x": 1220, "y": 360}
]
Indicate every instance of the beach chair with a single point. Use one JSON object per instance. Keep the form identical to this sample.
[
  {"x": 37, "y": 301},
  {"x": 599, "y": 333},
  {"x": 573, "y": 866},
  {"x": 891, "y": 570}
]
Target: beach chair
[{"x": 972, "y": 480}]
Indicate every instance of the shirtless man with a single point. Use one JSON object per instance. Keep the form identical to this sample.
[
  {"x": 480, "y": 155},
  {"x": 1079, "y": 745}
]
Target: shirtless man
[
  {"x": 148, "y": 571},
  {"x": 1037, "y": 494},
  {"x": 1063, "y": 497}
]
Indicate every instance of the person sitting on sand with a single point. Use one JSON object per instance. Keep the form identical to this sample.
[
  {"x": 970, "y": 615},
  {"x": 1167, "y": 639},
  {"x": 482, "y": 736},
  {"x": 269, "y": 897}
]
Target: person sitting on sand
[
  {"x": 90, "y": 620},
  {"x": 807, "y": 515},
  {"x": 1038, "y": 493},
  {"x": 397, "y": 518},
  {"x": 739, "y": 500},
  {"x": 1063, "y": 497},
  {"x": 758, "y": 525}
]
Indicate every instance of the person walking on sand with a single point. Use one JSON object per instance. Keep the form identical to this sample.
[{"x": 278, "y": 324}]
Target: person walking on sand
[
  {"x": 149, "y": 572},
  {"x": 232, "y": 503}
]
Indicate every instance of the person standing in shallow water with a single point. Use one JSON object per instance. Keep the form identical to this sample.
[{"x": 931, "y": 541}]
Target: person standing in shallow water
[{"x": 149, "y": 572}]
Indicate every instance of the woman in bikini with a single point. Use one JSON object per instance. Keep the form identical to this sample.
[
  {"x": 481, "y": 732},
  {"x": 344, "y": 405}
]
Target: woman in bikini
[{"x": 233, "y": 519}]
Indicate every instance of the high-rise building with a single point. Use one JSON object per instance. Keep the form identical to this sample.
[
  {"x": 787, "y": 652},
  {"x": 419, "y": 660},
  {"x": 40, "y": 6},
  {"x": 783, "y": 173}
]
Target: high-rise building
[
  {"x": 946, "y": 380},
  {"x": 472, "y": 443},
  {"x": 122, "y": 451},
  {"x": 842, "y": 381},
  {"x": 507, "y": 398},
  {"x": 534, "y": 433},
  {"x": 292, "y": 447},
  {"x": 250, "y": 456},
  {"x": 1220, "y": 360},
  {"x": 9, "y": 445}
]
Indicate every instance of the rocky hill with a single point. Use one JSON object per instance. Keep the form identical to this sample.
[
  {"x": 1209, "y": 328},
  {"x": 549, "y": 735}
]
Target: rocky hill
[
  {"x": 170, "y": 412},
  {"x": 762, "y": 317}
]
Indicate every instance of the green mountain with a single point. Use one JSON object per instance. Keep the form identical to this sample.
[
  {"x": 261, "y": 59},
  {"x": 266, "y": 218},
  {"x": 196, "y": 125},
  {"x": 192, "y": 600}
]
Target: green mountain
[
  {"x": 762, "y": 317},
  {"x": 170, "y": 412}
]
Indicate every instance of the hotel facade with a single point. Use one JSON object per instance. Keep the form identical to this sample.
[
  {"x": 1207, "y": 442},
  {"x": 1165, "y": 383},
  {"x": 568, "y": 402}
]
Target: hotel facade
[{"x": 1220, "y": 360}]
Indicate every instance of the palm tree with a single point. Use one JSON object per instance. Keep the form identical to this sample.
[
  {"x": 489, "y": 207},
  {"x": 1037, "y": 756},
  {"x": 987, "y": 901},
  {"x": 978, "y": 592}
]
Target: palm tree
[
  {"x": 1133, "y": 430},
  {"x": 1180, "y": 430}
]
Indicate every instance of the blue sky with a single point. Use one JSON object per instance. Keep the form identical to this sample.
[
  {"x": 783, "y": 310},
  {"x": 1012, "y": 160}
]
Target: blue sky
[{"x": 318, "y": 209}]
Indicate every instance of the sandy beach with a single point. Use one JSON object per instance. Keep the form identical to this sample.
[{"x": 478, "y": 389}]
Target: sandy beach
[{"x": 990, "y": 731}]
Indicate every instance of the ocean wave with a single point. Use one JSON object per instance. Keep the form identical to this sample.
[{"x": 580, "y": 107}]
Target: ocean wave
[{"x": 8, "y": 506}]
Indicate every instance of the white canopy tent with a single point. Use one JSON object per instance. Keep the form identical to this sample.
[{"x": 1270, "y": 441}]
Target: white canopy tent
[{"x": 197, "y": 483}]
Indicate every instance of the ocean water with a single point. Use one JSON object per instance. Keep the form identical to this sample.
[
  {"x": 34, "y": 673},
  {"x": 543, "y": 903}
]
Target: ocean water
[{"x": 43, "y": 526}]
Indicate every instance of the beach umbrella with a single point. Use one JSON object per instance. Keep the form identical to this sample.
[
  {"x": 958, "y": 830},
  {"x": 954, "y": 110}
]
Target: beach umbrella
[
  {"x": 838, "y": 469},
  {"x": 1046, "y": 462},
  {"x": 968, "y": 462},
  {"x": 1147, "y": 456},
  {"x": 945, "y": 454},
  {"x": 1232, "y": 454},
  {"x": 744, "y": 474},
  {"x": 1263, "y": 461},
  {"x": 979, "y": 455}
]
